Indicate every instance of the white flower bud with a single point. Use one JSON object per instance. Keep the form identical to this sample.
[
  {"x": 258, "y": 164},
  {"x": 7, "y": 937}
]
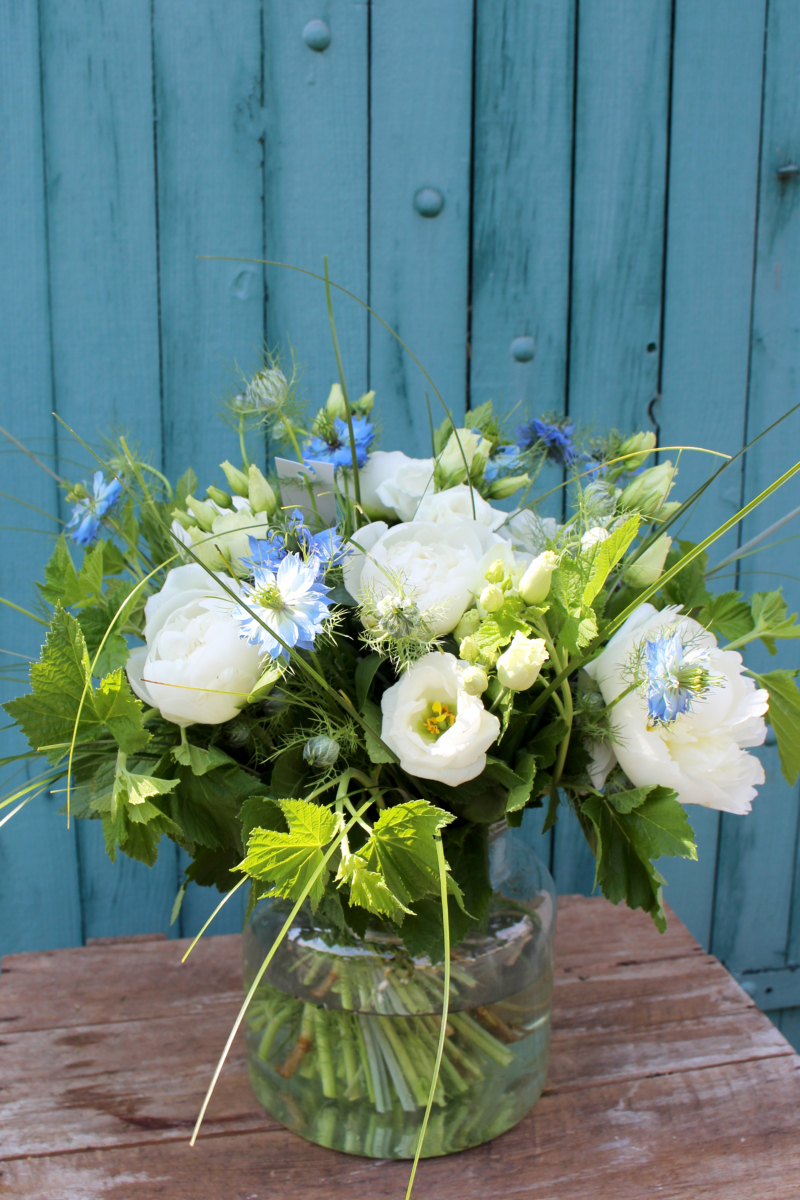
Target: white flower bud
[
  {"x": 203, "y": 512},
  {"x": 648, "y": 566},
  {"x": 335, "y": 405},
  {"x": 469, "y": 623},
  {"x": 647, "y": 492},
  {"x": 262, "y": 497},
  {"x": 495, "y": 572},
  {"x": 518, "y": 667},
  {"x": 237, "y": 480},
  {"x": 501, "y": 489},
  {"x": 474, "y": 680},
  {"x": 535, "y": 583},
  {"x": 463, "y": 444},
  {"x": 219, "y": 497},
  {"x": 492, "y": 598},
  {"x": 593, "y": 537},
  {"x": 468, "y": 650}
]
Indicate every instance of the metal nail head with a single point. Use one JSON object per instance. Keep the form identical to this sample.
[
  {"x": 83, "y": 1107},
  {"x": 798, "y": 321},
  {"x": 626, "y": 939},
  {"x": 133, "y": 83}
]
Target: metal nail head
[
  {"x": 429, "y": 202},
  {"x": 523, "y": 349},
  {"x": 317, "y": 36}
]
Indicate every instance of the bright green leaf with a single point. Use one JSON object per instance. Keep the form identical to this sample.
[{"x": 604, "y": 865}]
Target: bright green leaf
[
  {"x": 199, "y": 760},
  {"x": 61, "y": 579},
  {"x": 520, "y": 794},
  {"x": 727, "y": 615},
  {"x": 368, "y": 889},
  {"x": 770, "y": 620},
  {"x": 289, "y": 860},
  {"x": 403, "y": 851},
  {"x": 607, "y": 554},
  {"x": 121, "y": 712},
  {"x": 784, "y": 717}
]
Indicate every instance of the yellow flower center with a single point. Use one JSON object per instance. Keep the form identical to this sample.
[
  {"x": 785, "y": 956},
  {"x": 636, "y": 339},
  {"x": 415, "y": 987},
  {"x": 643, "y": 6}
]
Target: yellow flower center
[{"x": 439, "y": 718}]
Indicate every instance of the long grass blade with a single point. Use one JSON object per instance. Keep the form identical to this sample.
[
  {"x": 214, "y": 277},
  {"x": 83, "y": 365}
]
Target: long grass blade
[{"x": 221, "y": 904}]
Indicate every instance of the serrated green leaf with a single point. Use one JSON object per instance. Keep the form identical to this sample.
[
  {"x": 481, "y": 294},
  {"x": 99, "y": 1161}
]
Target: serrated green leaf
[
  {"x": 520, "y": 794},
  {"x": 368, "y": 889},
  {"x": 201, "y": 761},
  {"x": 606, "y": 555},
  {"x": 727, "y": 615},
  {"x": 61, "y": 578},
  {"x": 289, "y": 860},
  {"x": 121, "y": 712},
  {"x": 625, "y": 802},
  {"x": 94, "y": 622},
  {"x": 213, "y": 868},
  {"x": 206, "y": 807},
  {"x": 546, "y": 742},
  {"x": 497, "y": 630},
  {"x": 783, "y": 715},
  {"x": 770, "y": 620},
  {"x": 688, "y": 588},
  {"x": 372, "y": 715},
  {"x": 403, "y": 851},
  {"x": 90, "y": 579},
  {"x": 261, "y": 812}
]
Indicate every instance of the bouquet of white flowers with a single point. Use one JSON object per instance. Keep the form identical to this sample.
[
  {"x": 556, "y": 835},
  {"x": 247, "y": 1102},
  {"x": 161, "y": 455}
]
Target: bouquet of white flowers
[{"x": 324, "y": 680}]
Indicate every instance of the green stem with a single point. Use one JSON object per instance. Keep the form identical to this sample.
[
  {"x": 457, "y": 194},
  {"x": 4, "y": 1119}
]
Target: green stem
[
  {"x": 343, "y": 385},
  {"x": 242, "y": 447}
]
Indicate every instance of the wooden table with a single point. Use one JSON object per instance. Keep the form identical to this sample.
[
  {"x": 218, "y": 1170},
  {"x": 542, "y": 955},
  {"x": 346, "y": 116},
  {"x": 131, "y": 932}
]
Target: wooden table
[{"x": 665, "y": 1081}]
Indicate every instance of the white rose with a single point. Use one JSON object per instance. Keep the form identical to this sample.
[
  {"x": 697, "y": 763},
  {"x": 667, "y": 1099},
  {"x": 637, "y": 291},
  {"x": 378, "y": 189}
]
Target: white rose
[
  {"x": 455, "y": 504},
  {"x": 702, "y": 753},
  {"x": 518, "y": 667},
  {"x": 439, "y": 566},
  {"x": 194, "y": 667},
  {"x": 435, "y": 727}
]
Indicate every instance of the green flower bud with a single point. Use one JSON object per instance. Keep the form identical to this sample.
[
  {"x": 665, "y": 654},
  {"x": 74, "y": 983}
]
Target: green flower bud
[
  {"x": 492, "y": 598},
  {"x": 501, "y": 489},
  {"x": 534, "y": 586},
  {"x": 647, "y": 492},
  {"x": 475, "y": 681},
  {"x": 203, "y": 512},
  {"x": 237, "y": 480},
  {"x": 262, "y": 497},
  {"x": 219, "y": 497},
  {"x": 184, "y": 519},
  {"x": 363, "y": 406},
  {"x": 268, "y": 389},
  {"x": 470, "y": 623},
  {"x": 335, "y": 405},
  {"x": 495, "y": 572},
  {"x": 468, "y": 650},
  {"x": 640, "y": 444},
  {"x": 462, "y": 444},
  {"x": 649, "y": 566}
]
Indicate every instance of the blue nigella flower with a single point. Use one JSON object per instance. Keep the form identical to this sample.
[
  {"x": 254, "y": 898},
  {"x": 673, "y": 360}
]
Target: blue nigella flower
[
  {"x": 557, "y": 439},
  {"x": 507, "y": 458},
  {"x": 87, "y": 515},
  {"x": 337, "y": 452},
  {"x": 676, "y": 675},
  {"x": 291, "y": 603},
  {"x": 326, "y": 546}
]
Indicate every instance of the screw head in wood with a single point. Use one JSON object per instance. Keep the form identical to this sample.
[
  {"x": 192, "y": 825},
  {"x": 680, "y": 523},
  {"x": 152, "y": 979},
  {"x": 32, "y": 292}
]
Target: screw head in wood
[
  {"x": 317, "y": 36},
  {"x": 429, "y": 202},
  {"x": 789, "y": 171},
  {"x": 523, "y": 349}
]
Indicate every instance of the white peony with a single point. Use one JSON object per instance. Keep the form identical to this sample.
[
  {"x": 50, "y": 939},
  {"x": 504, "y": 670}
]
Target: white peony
[
  {"x": 441, "y": 567},
  {"x": 391, "y": 484},
  {"x": 702, "y": 753},
  {"x": 435, "y": 727},
  {"x": 195, "y": 666},
  {"x": 455, "y": 504}
]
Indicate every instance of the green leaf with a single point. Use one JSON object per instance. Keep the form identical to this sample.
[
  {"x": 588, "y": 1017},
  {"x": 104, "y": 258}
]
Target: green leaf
[
  {"x": 783, "y": 715},
  {"x": 500, "y": 771},
  {"x": 206, "y": 807},
  {"x": 546, "y": 742},
  {"x": 61, "y": 579},
  {"x": 727, "y": 615},
  {"x": 289, "y": 772},
  {"x": 121, "y": 712},
  {"x": 94, "y": 622},
  {"x": 201, "y": 761},
  {"x": 213, "y": 868},
  {"x": 368, "y": 889},
  {"x": 625, "y": 802},
  {"x": 770, "y": 620},
  {"x": 47, "y": 714},
  {"x": 372, "y": 715},
  {"x": 579, "y": 631},
  {"x": 186, "y": 486},
  {"x": 606, "y": 556},
  {"x": 403, "y": 851},
  {"x": 90, "y": 579},
  {"x": 688, "y": 588},
  {"x": 130, "y": 820},
  {"x": 520, "y": 794},
  {"x": 261, "y": 812},
  {"x": 289, "y": 860},
  {"x": 498, "y": 630},
  {"x": 365, "y": 673}
]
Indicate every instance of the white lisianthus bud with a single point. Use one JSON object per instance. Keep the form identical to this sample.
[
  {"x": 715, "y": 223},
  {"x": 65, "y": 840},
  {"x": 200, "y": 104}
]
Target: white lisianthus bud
[
  {"x": 237, "y": 480},
  {"x": 535, "y": 583},
  {"x": 335, "y": 405},
  {"x": 470, "y": 623},
  {"x": 518, "y": 667},
  {"x": 468, "y": 650},
  {"x": 262, "y": 497},
  {"x": 184, "y": 519},
  {"x": 593, "y": 537},
  {"x": 647, "y": 492},
  {"x": 648, "y": 566},
  {"x": 219, "y": 497},
  {"x": 475, "y": 680},
  {"x": 463, "y": 444},
  {"x": 203, "y": 512},
  {"x": 492, "y": 598},
  {"x": 495, "y": 572},
  {"x": 501, "y": 489},
  {"x": 363, "y": 406},
  {"x": 640, "y": 444}
]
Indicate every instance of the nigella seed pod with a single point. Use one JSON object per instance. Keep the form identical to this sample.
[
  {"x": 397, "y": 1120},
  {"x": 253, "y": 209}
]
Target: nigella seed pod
[
  {"x": 239, "y": 732},
  {"x": 321, "y": 751}
]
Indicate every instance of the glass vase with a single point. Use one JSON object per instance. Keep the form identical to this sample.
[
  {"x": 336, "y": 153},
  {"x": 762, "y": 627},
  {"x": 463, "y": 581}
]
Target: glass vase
[{"x": 343, "y": 1030}]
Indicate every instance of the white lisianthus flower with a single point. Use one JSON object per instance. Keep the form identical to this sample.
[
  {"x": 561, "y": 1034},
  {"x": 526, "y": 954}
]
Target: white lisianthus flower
[
  {"x": 227, "y": 543},
  {"x": 649, "y": 566},
  {"x": 702, "y": 752},
  {"x": 518, "y": 667},
  {"x": 195, "y": 666},
  {"x": 463, "y": 444},
  {"x": 593, "y": 537},
  {"x": 435, "y": 727},
  {"x": 439, "y": 566},
  {"x": 534, "y": 586},
  {"x": 455, "y": 504}
]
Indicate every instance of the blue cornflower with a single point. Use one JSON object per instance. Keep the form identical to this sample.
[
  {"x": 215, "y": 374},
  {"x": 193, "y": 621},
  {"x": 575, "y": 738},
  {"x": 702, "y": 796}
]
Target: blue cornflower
[
  {"x": 291, "y": 603},
  {"x": 337, "y": 451},
  {"x": 676, "y": 675},
  {"x": 557, "y": 439},
  {"x": 87, "y": 515},
  {"x": 507, "y": 458}
]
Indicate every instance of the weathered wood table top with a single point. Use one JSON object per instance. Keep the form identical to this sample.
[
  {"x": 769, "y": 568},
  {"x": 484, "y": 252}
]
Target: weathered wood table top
[{"x": 665, "y": 1081}]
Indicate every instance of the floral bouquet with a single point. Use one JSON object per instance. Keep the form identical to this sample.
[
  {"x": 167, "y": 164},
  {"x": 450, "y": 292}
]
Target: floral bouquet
[{"x": 333, "y": 681}]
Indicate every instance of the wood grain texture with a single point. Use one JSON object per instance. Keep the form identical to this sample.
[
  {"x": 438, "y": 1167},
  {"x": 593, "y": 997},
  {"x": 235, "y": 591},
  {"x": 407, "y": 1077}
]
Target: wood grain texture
[
  {"x": 40, "y": 905},
  {"x": 654, "y": 1045},
  {"x": 757, "y": 856},
  {"x": 421, "y": 104},
  {"x": 316, "y": 189}
]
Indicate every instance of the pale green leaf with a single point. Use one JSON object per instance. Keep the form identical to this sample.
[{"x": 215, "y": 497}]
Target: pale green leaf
[
  {"x": 784, "y": 717},
  {"x": 607, "y": 554},
  {"x": 61, "y": 579},
  {"x": 727, "y": 615},
  {"x": 403, "y": 851},
  {"x": 121, "y": 712},
  {"x": 770, "y": 620},
  {"x": 289, "y": 860},
  {"x": 199, "y": 760},
  {"x": 519, "y": 794},
  {"x": 368, "y": 889}
]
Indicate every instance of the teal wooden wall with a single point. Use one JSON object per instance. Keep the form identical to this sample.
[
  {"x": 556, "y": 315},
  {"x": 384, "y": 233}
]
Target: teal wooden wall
[{"x": 611, "y": 186}]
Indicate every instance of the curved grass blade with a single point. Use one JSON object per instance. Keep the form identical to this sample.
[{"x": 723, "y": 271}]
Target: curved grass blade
[{"x": 221, "y": 904}]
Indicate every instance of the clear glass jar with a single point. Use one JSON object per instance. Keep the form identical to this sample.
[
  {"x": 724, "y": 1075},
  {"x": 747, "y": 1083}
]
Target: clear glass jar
[{"x": 342, "y": 1032}]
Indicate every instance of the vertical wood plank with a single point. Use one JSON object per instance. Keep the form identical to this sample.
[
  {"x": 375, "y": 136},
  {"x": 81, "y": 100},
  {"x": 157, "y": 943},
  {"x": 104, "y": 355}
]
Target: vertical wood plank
[
  {"x": 421, "y": 91},
  {"x": 757, "y": 853},
  {"x": 522, "y": 170},
  {"x": 104, "y": 294},
  {"x": 789, "y": 1025},
  {"x": 208, "y": 76},
  {"x": 713, "y": 187},
  {"x": 39, "y": 888},
  {"x": 315, "y": 171}
]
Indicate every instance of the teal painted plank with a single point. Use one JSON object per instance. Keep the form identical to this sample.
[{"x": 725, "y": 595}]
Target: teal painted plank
[
  {"x": 522, "y": 179},
  {"x": 104, "y": 293},
  {"x": 315, "y": 114},
  {"x": 200, "y": 902},
  {"x": 757, "y": 853},
  {"x": 789, "y": 1025},
  {"x": 713, "y": 185},
  {"x": 421, "y": 84},
  {"x": 620, "y": 162},
  {"x": 210, "y": 182},
  {"x": 39, "y": 892},
  {"x": 573, "y": 861}
]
